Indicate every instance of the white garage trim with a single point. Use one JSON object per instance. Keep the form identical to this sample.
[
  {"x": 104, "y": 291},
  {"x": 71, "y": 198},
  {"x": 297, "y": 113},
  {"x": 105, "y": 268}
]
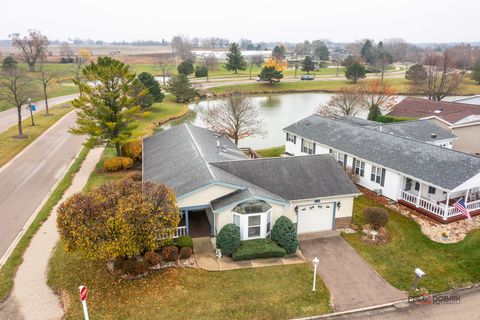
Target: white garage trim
[{"x": 301, "y": 208}]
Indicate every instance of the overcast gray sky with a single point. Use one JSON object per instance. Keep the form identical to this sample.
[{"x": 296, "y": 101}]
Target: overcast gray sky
[{"x": 259, "y": 20}]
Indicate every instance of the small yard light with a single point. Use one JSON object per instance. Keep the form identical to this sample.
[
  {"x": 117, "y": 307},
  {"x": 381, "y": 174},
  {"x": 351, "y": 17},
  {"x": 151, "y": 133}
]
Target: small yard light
[
  {"x": 418, "y": 275},
  {"x": 315, "y": 264},
  {"x": 30, "y": 108}
]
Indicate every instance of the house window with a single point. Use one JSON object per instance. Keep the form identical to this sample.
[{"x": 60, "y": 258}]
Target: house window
[
  {"x": 359, "y": 167},
  {"x": 254, "y": 225},
  {"x": 308, "y": 147},
  {"x": 291, "y": 138},
  {"x": 376, "y": 175},
  {"x": 340, "y": 157},
  {"x": 417, "y": 186},
  {"x": 431, "y": 190},
  {"x": 408, "y": 184}
]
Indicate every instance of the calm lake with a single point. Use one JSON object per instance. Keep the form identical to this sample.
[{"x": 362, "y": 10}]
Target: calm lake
[{"x": 279, "y": 111}]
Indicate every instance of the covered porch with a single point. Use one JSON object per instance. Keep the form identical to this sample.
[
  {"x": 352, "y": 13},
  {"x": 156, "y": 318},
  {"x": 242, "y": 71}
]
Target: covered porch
[
  {"x": 438, "y": 203},
  {"x": 196, "y": 222}
]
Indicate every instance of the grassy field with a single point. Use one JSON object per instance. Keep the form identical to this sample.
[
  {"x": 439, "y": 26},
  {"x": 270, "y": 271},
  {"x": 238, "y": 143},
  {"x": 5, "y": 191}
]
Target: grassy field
[
  {"x": 281, "y": 292},
  {"x": 401, "y": 85},
  {"x": 446, "y": 265},
  {"x": 271, "y": 152},
  {"x": 10, "y": 146},
  {"x": 8, "y": 270}
]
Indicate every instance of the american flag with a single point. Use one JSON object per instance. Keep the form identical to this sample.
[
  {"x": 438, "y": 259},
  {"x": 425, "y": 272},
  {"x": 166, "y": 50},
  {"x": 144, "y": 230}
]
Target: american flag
[{"x": 460, "y": 205}]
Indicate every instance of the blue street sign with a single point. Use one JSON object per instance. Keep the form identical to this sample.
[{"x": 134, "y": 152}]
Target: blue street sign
[{"x": 34, "y": 108}]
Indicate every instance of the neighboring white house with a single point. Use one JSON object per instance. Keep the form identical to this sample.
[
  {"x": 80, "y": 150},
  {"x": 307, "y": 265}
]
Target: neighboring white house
[
  {"x": 416, "y": 173},
  {"x": 216, "y": 184}
]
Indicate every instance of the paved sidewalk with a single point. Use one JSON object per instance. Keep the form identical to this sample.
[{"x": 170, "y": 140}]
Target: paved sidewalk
[
  {"x": 31, "y": 297},
  {"x": 206, "y": 259}
]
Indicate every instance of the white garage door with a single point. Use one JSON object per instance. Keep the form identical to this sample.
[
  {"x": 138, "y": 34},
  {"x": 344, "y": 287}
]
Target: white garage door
[{"x": 315, "y": 218}]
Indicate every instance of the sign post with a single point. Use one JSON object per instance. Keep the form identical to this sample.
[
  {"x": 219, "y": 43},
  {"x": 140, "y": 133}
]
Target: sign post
[{"x": 83, "y": 298}]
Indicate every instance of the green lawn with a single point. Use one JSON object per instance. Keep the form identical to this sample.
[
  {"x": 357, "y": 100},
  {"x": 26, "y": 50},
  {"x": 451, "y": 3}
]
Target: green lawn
[
  {"x": 10, "y": 146},
  {"x": 281, "y": 292},
  {"x": 446, "y": 265},
  {"x": 271, "y": 152},
  {"x": 8, "y": 270},
  {"x": 401, "y": 85}
]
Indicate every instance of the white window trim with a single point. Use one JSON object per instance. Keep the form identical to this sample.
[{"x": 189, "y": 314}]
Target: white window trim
[
  {"x": 243, "y": 218},
  {"x": 308, "y": 146},
  {"x": 360, "y": 165},
  {"x": 376, "y": 174}
]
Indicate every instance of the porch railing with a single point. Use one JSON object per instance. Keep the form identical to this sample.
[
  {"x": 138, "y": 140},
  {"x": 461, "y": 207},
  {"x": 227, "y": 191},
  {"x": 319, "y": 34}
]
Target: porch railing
[
  {"x": 180, "y": 231},
  {"x": 471, "y": 206}
]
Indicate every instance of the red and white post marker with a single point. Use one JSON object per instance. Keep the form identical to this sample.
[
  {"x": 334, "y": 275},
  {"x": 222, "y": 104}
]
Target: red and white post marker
[{"x": 83, "y": 298}]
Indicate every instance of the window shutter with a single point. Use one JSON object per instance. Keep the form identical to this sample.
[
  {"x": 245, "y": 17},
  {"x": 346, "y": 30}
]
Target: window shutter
[
  {"x": 301, "y": 148},
  {"x": 286, "y": 133},
  {"x": 294, "y": 139},
  {"x": 353, "y": 163},
  {"x": 314, "y": 144},
  {"x": 382, "y": 182},
  {"x": 330, "y": 151},
  {"x": 344, "y": 160}
]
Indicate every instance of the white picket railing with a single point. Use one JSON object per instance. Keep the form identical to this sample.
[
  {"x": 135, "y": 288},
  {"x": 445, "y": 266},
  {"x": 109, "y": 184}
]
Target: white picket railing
[
  {"x": 180, "y": 231},
  {"x": 432, "y": 207},
  {"x": 473, "y": 206},
  {"x": 411, "y": 198}
]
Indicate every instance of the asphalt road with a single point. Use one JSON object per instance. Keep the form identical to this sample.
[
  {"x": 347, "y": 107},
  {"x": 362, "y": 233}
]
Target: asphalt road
[
  {"x": 464, "y": 309},
  {"x": 8, "y": 118},
  {"x": 30, "y": 177}
]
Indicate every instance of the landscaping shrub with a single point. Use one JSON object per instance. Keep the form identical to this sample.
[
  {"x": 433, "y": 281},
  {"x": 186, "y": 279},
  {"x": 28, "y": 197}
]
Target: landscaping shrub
[
  {"x": 140, "y": 267},
  {"x": 228, "y": 239},
  {"x": 184, "y": 241},
  {"x": 284, "y": 234},
  {"x": 132, "y": 150},
  {"x": 170, "y": 253},
  {"x": 152, "y": 258},
  {"x": 168, "y": 242},
  {"x": 375, "y": 217},
  {"x": 186, "y": 252},
  {"x": 388, "y": 119},
  {"x": 258, "y": 248},
  {"x": 117, "y": 163},
  {"x": 134, "y": 267},
  {"x": 201, "y": 71},
  {"x": 135, "y": 176},
  {"x": 118, "y": 262}
]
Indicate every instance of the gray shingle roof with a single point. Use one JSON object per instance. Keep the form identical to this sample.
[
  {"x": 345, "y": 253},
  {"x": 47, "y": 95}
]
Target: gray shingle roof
[
  {"x": 294, "y": 178},
  {"x": 244, "y": 194},
  {"x": 440, "y": 166},
  {"x": 422, "y": 130},
  {"x": 180, "y": 156}
]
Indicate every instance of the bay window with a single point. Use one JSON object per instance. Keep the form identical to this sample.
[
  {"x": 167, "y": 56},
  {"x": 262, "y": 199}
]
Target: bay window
[{"x": 253, "y": 218}]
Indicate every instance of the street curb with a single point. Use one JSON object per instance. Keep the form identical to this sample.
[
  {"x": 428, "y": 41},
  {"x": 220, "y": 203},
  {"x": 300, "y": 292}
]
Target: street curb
[
  {"x": 390, "y": 304},
  {"x": 20, "y": 235},
  {"x": 9, "y": 163}
]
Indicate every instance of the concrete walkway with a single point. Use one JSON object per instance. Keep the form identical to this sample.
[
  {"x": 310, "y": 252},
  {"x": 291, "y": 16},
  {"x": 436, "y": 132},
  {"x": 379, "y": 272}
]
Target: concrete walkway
[
  {"x": 31, "y": 297},
  {"x": 206, "y": 259},
  {"x": 351, "y": 280}
]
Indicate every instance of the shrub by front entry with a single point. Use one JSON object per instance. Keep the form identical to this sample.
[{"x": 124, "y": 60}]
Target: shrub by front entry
[
  {"x": 284, "y": 234},
  {"x": 184, "y": 242},
  {"x": 228, "y": 239},
  {"x": 376, "y": 217},
  {"x": 117, "y": 163},
  {"x": 170, "y": 253},
  {"x": 152, "y": 258},
  {"x": 132, "y": 150},
  {"x": 258, "y": 248},
  {"x": 186, "y": 252}
]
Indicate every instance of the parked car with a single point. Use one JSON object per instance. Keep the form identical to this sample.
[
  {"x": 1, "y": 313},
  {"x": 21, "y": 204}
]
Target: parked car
[{"x": 307, "y": 77}]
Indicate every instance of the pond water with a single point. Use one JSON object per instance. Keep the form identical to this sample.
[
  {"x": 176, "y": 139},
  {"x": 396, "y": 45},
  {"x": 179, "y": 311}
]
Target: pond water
[{"x": 278, "y": 110}]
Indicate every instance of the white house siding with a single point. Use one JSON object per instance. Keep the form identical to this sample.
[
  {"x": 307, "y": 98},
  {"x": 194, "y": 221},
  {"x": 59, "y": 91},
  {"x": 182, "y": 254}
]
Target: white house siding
[{"x": 204, "y": 196}]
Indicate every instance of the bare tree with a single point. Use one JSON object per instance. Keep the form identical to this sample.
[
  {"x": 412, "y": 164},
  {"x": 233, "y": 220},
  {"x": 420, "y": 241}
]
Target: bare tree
[
  {"x": 346, "y": 102},
  {"x": 236, "y": 117},
  {"x": 337, "y": 58},
  {"x": 397, "y": 47},
  {"x": 33, "y": 47},
  {"x": 15, "y": 88},
  {"x": 164, "y": 64},
  {"x": 256, "y": 60},
  {"x": 442, "y": 80},
  {"x": 67, "y": 52},
  {"x": 47, "y": 78},
  {"x": 375, "y": 94},
  {"x": 211, "y": 62},
  {"x": 84, "y": 55}
]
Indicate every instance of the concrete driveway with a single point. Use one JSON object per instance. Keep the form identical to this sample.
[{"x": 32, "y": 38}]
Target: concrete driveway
[{"x": 352, "y": 282}]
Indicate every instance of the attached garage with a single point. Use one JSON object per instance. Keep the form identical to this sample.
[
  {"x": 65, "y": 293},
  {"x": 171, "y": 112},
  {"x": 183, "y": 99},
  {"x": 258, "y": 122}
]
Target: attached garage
[{"x": 315, "y": 218}]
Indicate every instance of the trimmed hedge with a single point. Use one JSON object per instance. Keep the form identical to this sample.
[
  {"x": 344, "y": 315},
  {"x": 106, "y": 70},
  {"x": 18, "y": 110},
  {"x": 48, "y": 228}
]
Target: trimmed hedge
[
  {"x": 389, "y": 119},
  {"x": 258, "y": 248},
  {"x": 117, "y": 164},
  {"x": 228, "y": 239},
  {"x": 184, "y": 242},
  {"x": 376, "y": 217},
  {"x": 284, "y": 234}
]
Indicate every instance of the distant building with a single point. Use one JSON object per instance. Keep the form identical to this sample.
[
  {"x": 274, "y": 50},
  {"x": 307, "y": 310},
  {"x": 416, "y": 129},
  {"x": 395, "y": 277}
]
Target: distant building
[{"x": 462, "y": 117}]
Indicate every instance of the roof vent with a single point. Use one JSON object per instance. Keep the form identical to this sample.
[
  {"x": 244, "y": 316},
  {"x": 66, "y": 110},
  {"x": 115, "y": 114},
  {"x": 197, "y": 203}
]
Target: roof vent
[
  {"x": 438, "y": 111},
  {"x": 433, "y": 135},
  {"x": 307, "y": 123},
  {"x": 224, "y": 148}
]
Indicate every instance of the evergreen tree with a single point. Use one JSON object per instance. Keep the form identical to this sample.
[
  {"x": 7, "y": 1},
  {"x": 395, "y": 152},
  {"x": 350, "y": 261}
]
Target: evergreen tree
[
  {"x": 374, "y": 113},
  {"x": 152, "y": 85},
  {"x": 321, "y": 52},
  {"x": 181, "y": 88},
  {"x": 308, "y": 64},
  {"x": 476, "y": 73},
  {"x": 270, "y": 74},
  {"x": 9, "y": 63},
  {"x": 279, "y": 53},
  {"x": 355, "y": 71},
  {"x": 106, "y": 109},
  {"x": 235, "y": 59},
  {"x": 185, "y": 68}
]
